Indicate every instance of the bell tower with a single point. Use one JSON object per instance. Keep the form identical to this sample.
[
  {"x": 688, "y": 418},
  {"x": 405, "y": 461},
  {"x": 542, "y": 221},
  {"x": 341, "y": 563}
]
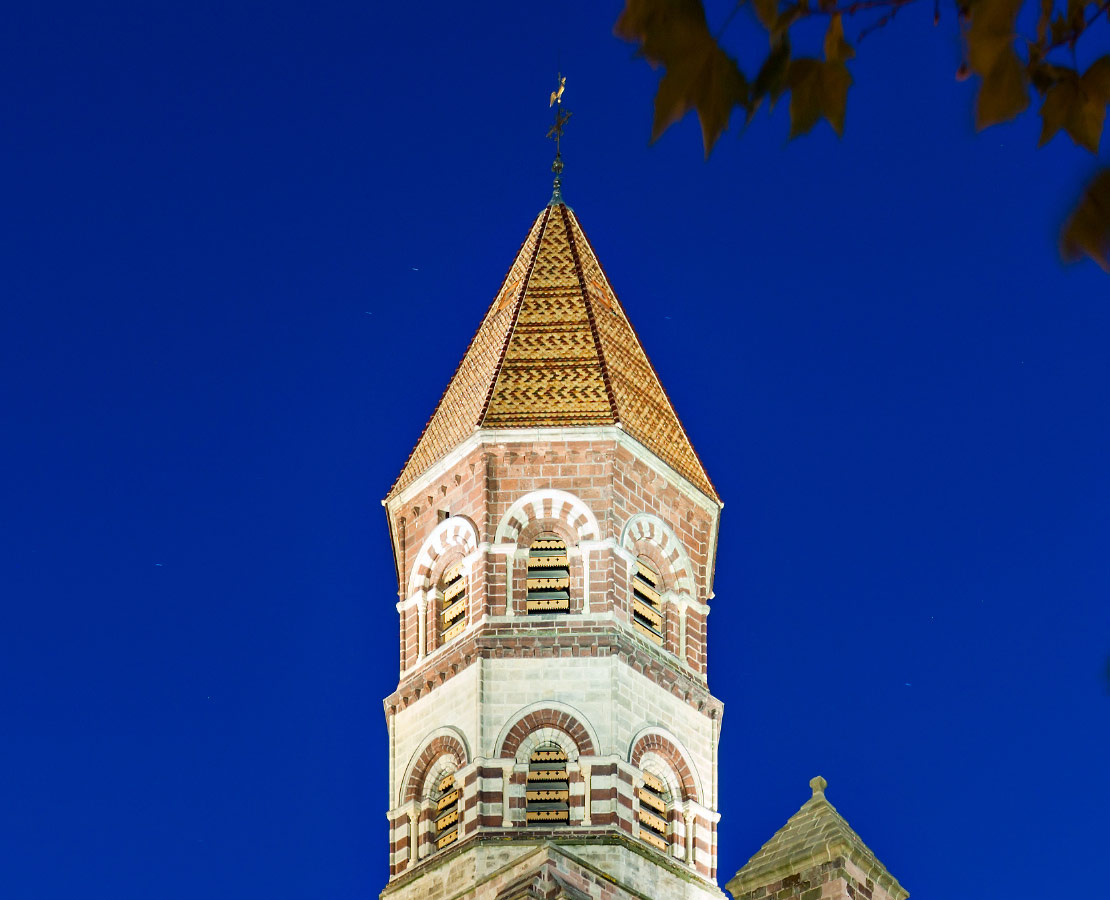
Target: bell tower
[{"x": 552, "y": 733}]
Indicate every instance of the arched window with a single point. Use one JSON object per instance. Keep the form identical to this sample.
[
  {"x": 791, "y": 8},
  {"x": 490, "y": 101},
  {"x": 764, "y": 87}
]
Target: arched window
[
  {"x": 452, "y": 604},
  {"x": 548, "y": 576},
  {"x": 447, "y": 812},
  {"x": 547, "y": 794},
  {"x": 647, "y": 605},
  {"x": 654, "y": 809}
]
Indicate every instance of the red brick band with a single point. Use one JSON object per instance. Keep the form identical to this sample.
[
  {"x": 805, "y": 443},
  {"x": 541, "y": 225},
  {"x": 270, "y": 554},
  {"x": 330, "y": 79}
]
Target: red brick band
[
  {"x": 547, "y": 718},
  {"x": 445, "y": 745}
]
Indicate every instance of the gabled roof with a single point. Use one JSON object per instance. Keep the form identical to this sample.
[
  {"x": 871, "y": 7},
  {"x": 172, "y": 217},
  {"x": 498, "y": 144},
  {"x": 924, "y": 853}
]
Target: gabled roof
[
  {"x": 816, "y": 832},
  {"x": 556, "y": 349}
]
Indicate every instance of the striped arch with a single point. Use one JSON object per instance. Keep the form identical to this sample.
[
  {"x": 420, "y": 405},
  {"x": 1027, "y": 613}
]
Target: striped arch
[
  {"x": 453, "y": 532},
  {"x": 665, "y": 745},
  {"x": 442, "y": 742},
  {"x": 547, "y": 720},
  {"x": 649, "y": 527},
  {"x": 548, "y": 504}
]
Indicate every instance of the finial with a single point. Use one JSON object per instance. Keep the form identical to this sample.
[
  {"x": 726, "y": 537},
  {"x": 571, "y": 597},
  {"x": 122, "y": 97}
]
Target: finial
[
  {"x": 818, "y": 784},
  {"x": 556, "y": 134}
]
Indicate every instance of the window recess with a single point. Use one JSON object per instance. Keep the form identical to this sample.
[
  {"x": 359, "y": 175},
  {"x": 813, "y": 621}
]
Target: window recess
[
  {"x": 547, "y": 794},
  {"x": 548, "y": 576},
  {"x": 452, "y": 604},
  {"x": 654, "y": 827},
  {"x": 647, "y": 603},
  {"x": 447, "y": 812}
]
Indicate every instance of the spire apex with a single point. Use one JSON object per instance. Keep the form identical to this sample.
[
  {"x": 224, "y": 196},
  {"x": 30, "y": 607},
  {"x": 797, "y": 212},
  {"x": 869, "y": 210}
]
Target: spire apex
[{"x": 562, "y": 116}]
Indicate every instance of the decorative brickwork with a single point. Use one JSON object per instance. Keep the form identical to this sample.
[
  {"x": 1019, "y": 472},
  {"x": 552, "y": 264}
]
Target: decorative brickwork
[
  {"x": 445, "y": 745},
  {"x": 656, "y": 743},
  {"x": 547, "y": 718},
  {"x": 556, "y": 349},
  {"x": 542, "y": 673}
]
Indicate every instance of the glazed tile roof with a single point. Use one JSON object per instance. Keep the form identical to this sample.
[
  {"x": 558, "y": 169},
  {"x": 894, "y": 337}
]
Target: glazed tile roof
[
  {"x": 816, "y": 832},
  {"x": 555, "y": 349}
]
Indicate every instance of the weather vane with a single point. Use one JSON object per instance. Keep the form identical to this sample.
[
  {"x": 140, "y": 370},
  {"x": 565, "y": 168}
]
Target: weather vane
[{"x": 556, "y": 132}]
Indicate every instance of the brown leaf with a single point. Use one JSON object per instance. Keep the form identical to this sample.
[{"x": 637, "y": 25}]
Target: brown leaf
[
  {"x": 835, "y": 82},
  {"x": 770, "y": 81},
  {"x": 1057, "y": 103},
  {"x": 1071, "y": 106},
  {"x": 666, "y": 30},
  {"x": 836, "y": 48},
  {"x": 699, "y": 74},
  {"x": 709, "y": 82},
  {"x": 817, "y": 89},
  {"x": 1096, "y": 80},
  {"x": 1085, "y": 120},
  {"x": 767, "y": 11},
  {"x": 805, "y": 95},
  {"x": 1087, "y": 231},
  {"x": 992, "y": 31},
  {"x": 1003, "y": 93}
]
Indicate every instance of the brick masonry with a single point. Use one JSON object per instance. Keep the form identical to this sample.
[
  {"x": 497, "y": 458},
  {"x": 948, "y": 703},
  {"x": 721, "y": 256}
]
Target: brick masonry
[{"x": 586, "y": 681}]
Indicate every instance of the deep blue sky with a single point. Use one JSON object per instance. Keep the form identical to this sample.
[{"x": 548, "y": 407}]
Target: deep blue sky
[{"x": 243, "y": 248}]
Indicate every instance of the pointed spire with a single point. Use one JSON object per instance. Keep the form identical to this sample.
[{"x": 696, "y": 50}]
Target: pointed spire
[
  {"x": 816, "y": 845},
  {"x": 556, "y": 349}
]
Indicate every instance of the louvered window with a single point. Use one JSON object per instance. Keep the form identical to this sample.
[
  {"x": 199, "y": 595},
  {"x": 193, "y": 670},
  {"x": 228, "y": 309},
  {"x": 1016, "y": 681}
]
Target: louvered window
[
  {"x": 548, "y": 576},
  {"x": 452, "y": 604},
  {"x": 547, "y": 793},
  {"x": 447, "y": 812},
  {"x": 647, "y": 605},
  {"x": 653, "y": 812}
]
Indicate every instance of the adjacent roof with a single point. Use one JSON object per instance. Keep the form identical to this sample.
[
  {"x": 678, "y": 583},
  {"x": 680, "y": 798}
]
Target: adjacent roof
[
  {"x": 815, "y": 832},
  {"x": 556, "y": 349}
]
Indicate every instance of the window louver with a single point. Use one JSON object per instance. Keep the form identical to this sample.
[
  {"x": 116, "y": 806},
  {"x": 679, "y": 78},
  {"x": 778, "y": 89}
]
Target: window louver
[
  {"x": 653, "y": 812},
  {"x": 452, "y": 606},
  {"x": 647, "y": 605},
  {"x": 547, "y": 793},
  {"x": 447, "y": 812},
  {"x": 548, "y": 576}
]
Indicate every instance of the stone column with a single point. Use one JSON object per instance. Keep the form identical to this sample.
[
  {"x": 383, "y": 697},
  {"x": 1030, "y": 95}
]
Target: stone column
[
  {"x": 414, "y": 820},
  {"x": 689, "y": 817},
  {"x": 506, "y": 783},
  {"x": 586, "y": 792},
  {"x": 422, "y": 628}
]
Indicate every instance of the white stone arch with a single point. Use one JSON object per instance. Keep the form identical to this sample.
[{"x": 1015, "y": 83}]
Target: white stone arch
[
  {"x": 455, "y": 531},
  {"x": 542, "y": 736},
  {"x": 684, "y": 758},
  {"x": 661, "y": 767},
  {"x": 449, "y": 732},
  {"x": 649, "y": 527},
  {"x": 548, "y": 503},
  {"x": 562, "y": 738}
]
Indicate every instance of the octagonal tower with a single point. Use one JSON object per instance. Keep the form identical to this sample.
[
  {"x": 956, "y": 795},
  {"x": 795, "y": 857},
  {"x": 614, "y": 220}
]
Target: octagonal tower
[{"x": 552, "y": 733}]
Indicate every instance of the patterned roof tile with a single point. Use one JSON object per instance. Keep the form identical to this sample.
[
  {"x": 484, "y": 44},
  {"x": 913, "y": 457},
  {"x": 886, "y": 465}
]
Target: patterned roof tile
[{"x": 556, "y": 349}]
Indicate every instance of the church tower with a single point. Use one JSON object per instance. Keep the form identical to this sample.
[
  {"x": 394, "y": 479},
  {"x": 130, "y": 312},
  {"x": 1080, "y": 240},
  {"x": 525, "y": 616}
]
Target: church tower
[{"x": 552, "y": 734}]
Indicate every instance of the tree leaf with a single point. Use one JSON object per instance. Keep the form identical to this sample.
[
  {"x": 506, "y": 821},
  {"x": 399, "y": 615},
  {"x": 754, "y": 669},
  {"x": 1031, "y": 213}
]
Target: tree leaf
[
  {"x": 835, "y": 82},
  {"x": 767, "y": 11},
  {"x": 709, "y": 82},
  {"x": 991, "y": 32},
  {"x": 1085, "y": 120},
  {"x": 666, "y": 30},
  {"x": 1096, "y": 80},
  {"x": 1087, "y": 230},
  {"x": 805, "y": 95},
  {"x": 699, "y": 74},
  {"x": 1003, "y": 93},
  {"x": 770, "y": 81},
  {"x": 1057, "y": 103},
  {"x": 836, "y": 48}
]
